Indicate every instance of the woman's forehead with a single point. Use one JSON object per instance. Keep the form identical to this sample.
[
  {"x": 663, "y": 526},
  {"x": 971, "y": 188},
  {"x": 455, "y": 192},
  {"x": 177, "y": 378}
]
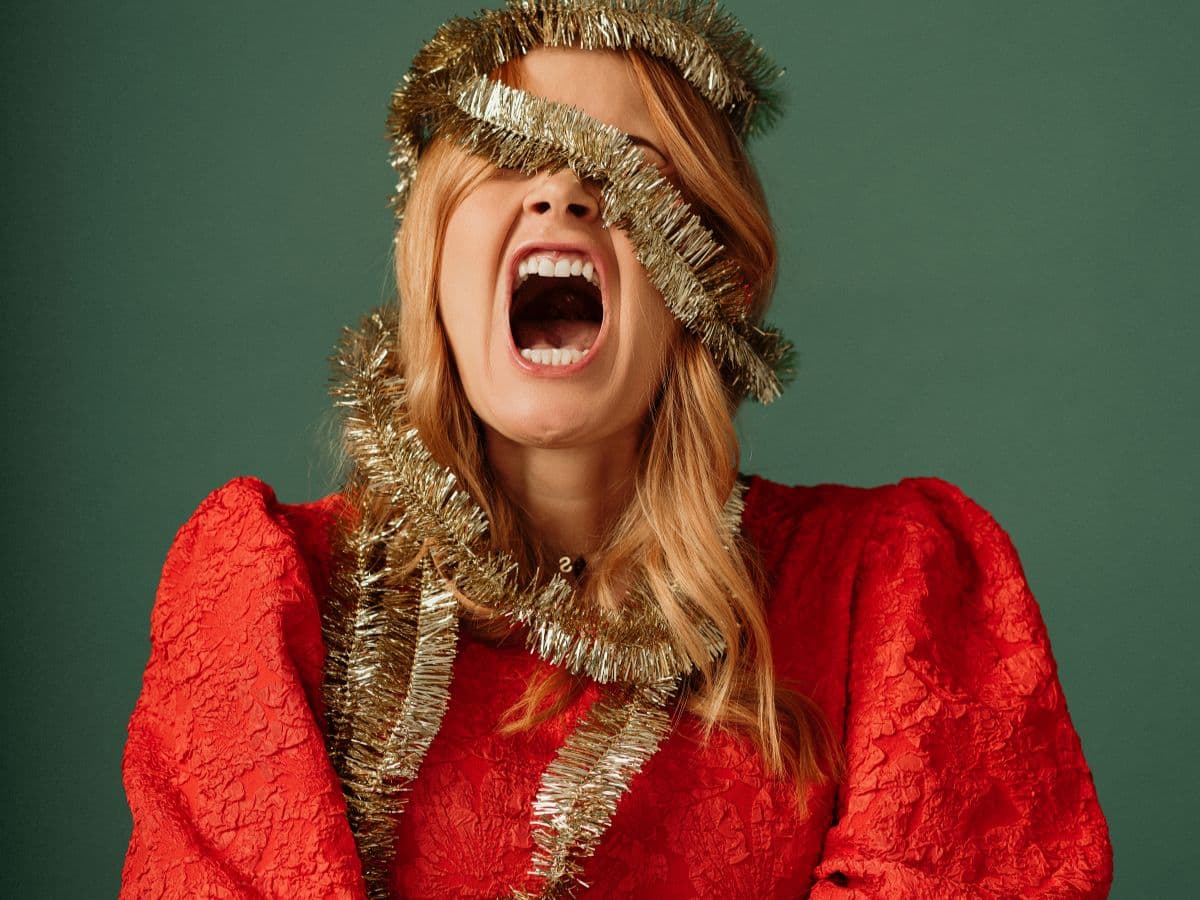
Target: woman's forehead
[{"x": 601, "y": 83}]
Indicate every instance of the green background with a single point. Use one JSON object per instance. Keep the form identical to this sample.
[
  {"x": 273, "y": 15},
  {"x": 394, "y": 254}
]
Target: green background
[{"x": 990, "y": 230}]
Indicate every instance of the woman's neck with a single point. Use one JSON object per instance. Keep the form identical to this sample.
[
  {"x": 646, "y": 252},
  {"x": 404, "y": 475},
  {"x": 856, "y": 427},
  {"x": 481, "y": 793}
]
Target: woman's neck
[{"x": 570, "y": 496}]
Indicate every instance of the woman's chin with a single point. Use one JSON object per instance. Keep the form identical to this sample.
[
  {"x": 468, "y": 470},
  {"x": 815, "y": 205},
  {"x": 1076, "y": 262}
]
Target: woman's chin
[
  {"x": 551, "y": 432},
  {"x": 551, "y": 423}
]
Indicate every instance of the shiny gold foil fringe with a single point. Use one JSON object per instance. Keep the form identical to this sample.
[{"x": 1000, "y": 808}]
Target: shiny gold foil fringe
[
  {"x": 581, "y": 787},
  {"x": 447, "y": 92},
  {"x": 634, "y": 646},
  {"x": 350, "y": 615},
  {"x": 391, "y": 627},
  {"x": 391, "y": 702},
  {"x": 698, "y": 282},
  {"x": 707, "y": 46}
]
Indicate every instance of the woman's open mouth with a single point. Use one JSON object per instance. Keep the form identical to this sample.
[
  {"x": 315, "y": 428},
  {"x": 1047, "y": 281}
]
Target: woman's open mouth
[{"x": 557, "y": 308}]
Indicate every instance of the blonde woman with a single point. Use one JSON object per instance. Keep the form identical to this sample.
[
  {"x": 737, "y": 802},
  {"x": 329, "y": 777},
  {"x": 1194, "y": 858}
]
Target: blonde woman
[{"x": 547, "y": 638}]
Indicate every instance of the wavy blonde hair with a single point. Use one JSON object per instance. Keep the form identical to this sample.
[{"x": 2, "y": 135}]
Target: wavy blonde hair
[{"x": 669, "y": 533}]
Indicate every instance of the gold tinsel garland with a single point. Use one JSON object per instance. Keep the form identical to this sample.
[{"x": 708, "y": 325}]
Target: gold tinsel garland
[
  {"x": 581, "y": 786},
  {"x": 706, "y": 46},
  {"x": 699, "y": 284},
  {"x": 393, "y": 462},
  {"x": 390, "y": 630},
  {"x": 447, "y": 92}
]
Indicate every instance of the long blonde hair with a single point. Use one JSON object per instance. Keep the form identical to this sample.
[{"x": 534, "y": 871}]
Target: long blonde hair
[{"x": 669, "y": 534}]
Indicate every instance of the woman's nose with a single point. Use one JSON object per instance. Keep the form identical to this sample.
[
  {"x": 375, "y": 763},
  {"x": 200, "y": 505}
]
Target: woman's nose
[{"x": 562, "y": 194}]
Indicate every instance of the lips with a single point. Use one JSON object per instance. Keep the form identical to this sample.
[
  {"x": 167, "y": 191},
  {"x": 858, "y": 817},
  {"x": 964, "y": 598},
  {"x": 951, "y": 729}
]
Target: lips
[{"x": 557, "y": 307}]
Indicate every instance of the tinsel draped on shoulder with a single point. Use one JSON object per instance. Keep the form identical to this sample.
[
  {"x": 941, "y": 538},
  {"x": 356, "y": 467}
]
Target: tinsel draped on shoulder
[
  {"x": 431, "y": 507},
  {"x": 391, "y": 631}
]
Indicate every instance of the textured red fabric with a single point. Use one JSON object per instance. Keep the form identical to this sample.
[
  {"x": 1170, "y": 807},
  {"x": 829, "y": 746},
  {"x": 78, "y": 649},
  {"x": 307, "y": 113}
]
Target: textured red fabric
[{"x": 902, "y": 610}]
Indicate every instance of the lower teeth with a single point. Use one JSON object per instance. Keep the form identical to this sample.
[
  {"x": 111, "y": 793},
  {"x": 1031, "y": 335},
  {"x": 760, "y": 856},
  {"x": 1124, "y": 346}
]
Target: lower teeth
[{"x": 555, "y": 357}]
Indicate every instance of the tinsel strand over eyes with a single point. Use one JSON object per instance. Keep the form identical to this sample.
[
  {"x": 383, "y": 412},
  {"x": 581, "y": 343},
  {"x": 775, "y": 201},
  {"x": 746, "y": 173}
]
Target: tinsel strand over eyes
[{"x": 448, "y": 93}]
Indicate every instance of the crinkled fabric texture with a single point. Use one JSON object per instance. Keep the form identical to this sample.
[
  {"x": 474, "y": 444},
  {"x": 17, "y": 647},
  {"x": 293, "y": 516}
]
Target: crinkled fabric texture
[{"x": 901, "y": 610}]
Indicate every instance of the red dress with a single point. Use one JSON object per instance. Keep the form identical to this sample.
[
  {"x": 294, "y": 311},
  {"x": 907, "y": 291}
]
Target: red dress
[{"x": 902, "y": 610}]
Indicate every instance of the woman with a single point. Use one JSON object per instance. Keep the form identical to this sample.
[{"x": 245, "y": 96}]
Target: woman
[{"x": 546, "y": 638}]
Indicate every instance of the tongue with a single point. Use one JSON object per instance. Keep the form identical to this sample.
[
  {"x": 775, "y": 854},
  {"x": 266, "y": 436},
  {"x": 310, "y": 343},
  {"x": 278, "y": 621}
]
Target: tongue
[{"x": 548, "y": 334}]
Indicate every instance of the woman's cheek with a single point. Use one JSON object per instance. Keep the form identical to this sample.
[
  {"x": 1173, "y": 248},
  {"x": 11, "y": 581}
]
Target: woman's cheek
[{"x": 468, "y": 275}]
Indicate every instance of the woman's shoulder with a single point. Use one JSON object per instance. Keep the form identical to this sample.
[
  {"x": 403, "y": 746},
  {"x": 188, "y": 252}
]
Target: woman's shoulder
[
  {"x": 917, "y": 557},
  {"x": 917, "y": 549},
  {"x": 779, "y": 518},
  {"x": 790, "y": 502},
  {"x": 251, "y": 502},
  {"x": 245, "y": 514},
  {"x": 242, "y": 548}
]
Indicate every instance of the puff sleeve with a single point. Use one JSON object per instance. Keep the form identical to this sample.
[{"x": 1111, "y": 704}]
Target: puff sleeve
[
  {"x": 225, "y": 771},
  {"x": 965, "y": 775}
]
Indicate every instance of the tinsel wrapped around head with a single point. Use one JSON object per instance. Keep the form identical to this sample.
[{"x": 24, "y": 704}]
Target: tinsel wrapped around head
[{"x": 448, "y": 93}]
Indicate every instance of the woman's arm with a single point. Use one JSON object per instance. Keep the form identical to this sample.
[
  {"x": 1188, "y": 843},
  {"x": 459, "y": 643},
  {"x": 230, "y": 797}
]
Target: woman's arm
[
  {"x": 225, "y": 769},
  {"x": 966, "y": 777}
]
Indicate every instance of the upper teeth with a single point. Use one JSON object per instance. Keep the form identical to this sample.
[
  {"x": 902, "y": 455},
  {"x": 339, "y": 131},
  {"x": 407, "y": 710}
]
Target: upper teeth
[
  {"x": 562, "y": 267},
  {"x": 554, "y": 356}
]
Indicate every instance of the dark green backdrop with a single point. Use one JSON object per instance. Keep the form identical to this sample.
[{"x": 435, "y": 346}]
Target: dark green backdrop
[{"x": 990, "y": 230}]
